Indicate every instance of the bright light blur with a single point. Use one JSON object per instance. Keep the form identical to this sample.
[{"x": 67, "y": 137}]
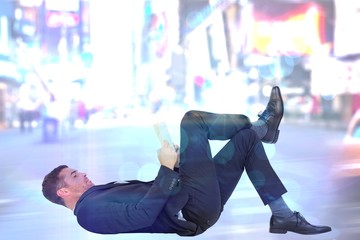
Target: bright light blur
[{"x": 82, "y": 83}]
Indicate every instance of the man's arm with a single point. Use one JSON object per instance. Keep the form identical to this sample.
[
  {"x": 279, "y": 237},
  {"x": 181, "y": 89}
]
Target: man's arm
[
  {"x": 130, "y": 209},
  {"x": 143, "y": 214}
]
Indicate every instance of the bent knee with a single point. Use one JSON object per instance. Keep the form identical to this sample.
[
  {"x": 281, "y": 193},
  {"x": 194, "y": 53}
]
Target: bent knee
[
  {"x": 247, "y": 135},
  {"x": 190, "y": 116}
]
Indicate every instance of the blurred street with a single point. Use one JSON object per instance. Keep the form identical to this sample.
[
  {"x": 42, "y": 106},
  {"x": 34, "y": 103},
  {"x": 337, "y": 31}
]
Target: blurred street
[
  {"x": 118, "y": 150},
  {"x": 82, "y": 82}
]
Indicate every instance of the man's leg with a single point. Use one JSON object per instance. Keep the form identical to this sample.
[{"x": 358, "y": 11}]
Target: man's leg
[
  {"x": 197, "y": 169},
  {"x": 210, "y": 182},
  {"x": 246, "y": 152}
]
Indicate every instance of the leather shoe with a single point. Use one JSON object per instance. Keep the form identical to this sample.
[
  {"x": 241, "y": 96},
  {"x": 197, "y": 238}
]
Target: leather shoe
[
  {"x": 297, "y": 224},
  {"x": 272, "y": 116}
]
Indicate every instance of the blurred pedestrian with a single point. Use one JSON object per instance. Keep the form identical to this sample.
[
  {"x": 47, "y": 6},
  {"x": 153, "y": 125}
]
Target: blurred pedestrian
[
  {"x": 199, "y": 83},
  {"x": 186, "y": 200},
  {"x": 50, "y": 119},
  {"x": 28, "y": 105}
]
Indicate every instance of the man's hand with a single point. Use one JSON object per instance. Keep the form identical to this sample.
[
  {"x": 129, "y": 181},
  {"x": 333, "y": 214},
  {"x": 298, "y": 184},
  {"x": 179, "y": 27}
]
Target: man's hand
[
  {"x": 167, "y": 156},
  {"x": 177, "y": 150}
]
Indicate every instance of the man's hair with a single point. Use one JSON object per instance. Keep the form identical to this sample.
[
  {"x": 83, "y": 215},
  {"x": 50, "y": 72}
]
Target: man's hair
[{"x": 53, "y": 182}]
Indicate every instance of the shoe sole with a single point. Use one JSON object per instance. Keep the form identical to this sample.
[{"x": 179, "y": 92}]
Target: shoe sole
[
  {"x": 283, "y": 231},
  {"x": 277, "y": 131},
  {"x": 276, "y": 137},
  {"x": 278, "y": 231}
]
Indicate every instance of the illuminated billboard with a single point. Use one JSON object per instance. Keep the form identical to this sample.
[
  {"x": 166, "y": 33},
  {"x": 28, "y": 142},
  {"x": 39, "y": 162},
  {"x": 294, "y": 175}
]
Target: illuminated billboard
[{"x": 292, "y": 29}]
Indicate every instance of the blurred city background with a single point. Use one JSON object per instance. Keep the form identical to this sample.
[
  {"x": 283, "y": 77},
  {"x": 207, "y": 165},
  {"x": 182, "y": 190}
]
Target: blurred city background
[{"x": 83, "y": 81}]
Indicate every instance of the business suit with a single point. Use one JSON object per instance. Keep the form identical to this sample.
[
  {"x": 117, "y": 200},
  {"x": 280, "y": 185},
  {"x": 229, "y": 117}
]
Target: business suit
[{"x": 199, "y": 190}]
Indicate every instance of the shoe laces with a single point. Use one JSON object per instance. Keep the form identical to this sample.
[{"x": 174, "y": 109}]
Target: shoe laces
[
  {"x": 264, "y": 114},
  {"x": 300, "y": 218}
]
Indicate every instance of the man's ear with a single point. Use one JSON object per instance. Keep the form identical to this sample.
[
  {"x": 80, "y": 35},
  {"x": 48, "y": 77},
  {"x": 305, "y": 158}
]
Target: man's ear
[{"x": 63, "y": 192}]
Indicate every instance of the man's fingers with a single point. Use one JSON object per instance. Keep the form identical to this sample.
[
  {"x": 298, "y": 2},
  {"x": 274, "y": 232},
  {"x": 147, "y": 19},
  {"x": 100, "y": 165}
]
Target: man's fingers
[
  {"x": 177, "y": 148},
  {"x": 165, "y": 143}
]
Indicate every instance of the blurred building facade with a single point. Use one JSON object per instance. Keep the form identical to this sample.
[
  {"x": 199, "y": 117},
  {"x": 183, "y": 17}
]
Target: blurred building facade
[
  {"x": 9, "y": 76},
  {"x": 125, "y": 51},
  {"x": 293, "y": 44},
  {"x": 42, "y": 38},
  {"x": 280, "y": 40},
  {"x": 337, "y": 76}
]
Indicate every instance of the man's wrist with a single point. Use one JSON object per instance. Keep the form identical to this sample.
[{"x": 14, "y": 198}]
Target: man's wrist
[{"x": 168, "y": 166}]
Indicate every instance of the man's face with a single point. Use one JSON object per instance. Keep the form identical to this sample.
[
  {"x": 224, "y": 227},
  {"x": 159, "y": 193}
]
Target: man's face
[{"x": 76, "y": 182}]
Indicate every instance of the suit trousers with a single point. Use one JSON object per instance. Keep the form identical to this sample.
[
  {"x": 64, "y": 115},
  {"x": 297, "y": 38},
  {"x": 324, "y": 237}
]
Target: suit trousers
[{"x": 210, "y": 181}]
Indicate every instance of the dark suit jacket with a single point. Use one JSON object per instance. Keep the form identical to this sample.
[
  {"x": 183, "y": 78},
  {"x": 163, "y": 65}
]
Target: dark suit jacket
[{"x": 136, "y": 207}]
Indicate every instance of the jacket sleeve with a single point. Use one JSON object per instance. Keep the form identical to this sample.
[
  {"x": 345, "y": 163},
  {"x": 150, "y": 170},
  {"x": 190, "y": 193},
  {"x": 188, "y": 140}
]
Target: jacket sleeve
[{"x": 121, "y": 217}]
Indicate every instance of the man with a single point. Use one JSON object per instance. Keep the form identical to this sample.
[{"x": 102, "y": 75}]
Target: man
[{"x": 189, "y": 199}]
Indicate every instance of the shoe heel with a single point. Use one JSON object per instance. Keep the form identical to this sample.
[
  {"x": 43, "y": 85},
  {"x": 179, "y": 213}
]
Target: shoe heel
[
  {"x": 279, "y": 231},
  {"x": 276, "y": 137}
]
